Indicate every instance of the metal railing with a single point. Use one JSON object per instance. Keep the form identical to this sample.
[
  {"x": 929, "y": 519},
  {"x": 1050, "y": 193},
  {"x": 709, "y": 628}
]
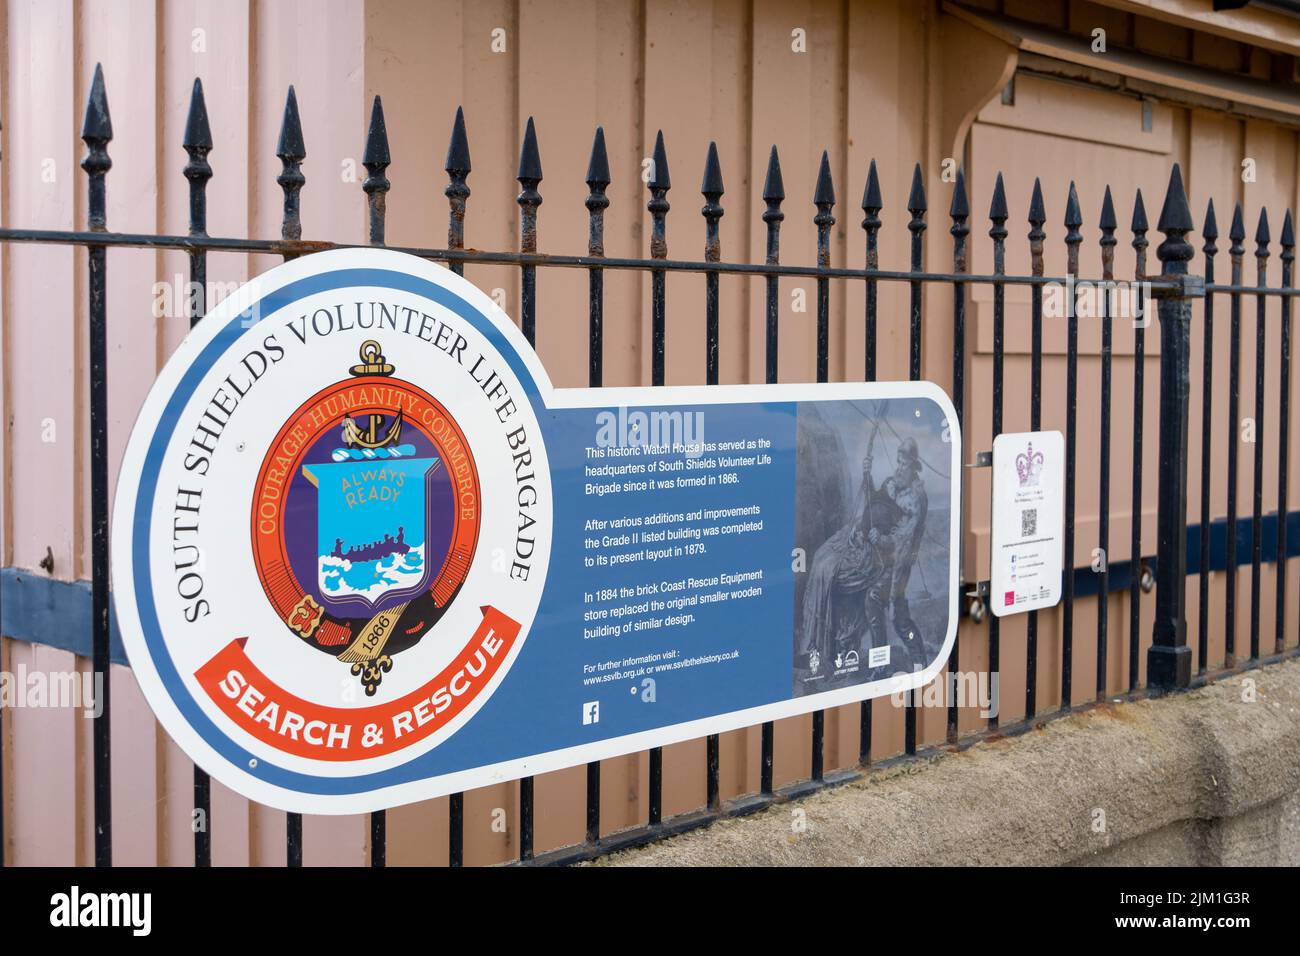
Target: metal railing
[{"x": 1174, "y": 290}]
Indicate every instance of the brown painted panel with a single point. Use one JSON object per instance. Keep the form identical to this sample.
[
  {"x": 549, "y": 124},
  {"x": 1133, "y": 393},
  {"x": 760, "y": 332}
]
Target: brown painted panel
[{"x": 42, "y": 317}]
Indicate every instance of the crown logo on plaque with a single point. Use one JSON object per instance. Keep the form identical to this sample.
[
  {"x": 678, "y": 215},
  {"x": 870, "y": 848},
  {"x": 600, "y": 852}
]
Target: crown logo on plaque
[{"x": 1029, "y": 466}]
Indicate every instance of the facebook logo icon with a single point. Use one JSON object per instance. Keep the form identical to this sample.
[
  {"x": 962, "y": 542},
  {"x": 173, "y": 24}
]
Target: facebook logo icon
[{"x": 591, "y": 713}]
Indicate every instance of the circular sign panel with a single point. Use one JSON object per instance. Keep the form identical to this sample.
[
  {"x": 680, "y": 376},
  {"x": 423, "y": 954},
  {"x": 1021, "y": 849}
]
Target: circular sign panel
[{"x": 332, "y": 527}]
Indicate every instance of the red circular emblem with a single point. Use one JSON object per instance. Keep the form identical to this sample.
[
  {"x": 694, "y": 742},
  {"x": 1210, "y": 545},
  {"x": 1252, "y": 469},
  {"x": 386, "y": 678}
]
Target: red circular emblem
[{"x": 365, "y": 516}]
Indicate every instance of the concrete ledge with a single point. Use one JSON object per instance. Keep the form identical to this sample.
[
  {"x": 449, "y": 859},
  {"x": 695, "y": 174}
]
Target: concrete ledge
[{"x": 1206, "y": 777}]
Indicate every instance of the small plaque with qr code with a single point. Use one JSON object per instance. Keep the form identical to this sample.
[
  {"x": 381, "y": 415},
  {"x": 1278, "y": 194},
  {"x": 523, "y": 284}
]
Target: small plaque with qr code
[{"x": 1027, "y": 558}]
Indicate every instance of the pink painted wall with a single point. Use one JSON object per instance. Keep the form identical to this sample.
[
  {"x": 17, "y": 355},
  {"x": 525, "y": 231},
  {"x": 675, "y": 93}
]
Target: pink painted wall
[{"x": 246, "y": 54}]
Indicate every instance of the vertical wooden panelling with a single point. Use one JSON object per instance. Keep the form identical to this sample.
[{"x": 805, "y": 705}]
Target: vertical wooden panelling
[
  {"x": 1270, "y": 149},
  {"x": 886, "y": 117},
  {"x": 41, "y": 170},
  {"x": 6, "y": 361},
  {"x": 133, "y": 204},
  {"x": 45, "y": 820},
  {"x": 781, "y": 115},
  {"x": 6, "y": 459},
  {"x": 477, "y": 68},
  {"x": 1214, "y": 172},
  {"x": 420, "y": 94},
  {"x": 210, "y": 40},
  {"x": 781, "y": 76},
  {"x": 620, "y": 107},
  {"x": 312, "y": 46},
  {"x": 695, "y": 54},
  {"x": 551, "y": 35},
  {"x": 680, "y": 77},
  {"x": 489, "y": 90}
]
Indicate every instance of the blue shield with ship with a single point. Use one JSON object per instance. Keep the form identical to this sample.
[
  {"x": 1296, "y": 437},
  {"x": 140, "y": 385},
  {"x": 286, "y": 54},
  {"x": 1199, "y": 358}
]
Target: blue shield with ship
[{"x": 372, "y": 524}]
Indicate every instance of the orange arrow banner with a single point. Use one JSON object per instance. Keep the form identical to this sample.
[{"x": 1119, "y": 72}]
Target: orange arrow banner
[{"x": 296, "y": 726}]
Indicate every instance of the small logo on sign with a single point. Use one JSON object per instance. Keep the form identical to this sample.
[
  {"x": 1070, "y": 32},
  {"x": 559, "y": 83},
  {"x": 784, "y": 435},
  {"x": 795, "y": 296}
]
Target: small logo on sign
[
  {"x": 591, "y": 712},
  {"x": 1009, "y": 599},
  {"x": 1029, "y": 466},
  {"x": 878, "y": 656}
]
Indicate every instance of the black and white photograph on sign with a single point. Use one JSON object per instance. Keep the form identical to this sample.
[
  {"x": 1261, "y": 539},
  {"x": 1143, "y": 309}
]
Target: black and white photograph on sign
[{"x": 871, "y": 534}]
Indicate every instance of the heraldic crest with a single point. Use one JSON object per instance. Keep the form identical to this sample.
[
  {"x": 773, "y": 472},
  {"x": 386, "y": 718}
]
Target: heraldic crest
[{"x": 365, "y": 517}]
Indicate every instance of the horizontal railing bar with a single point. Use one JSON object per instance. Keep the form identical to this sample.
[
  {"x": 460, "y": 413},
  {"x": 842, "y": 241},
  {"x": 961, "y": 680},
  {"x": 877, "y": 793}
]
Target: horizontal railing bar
[
  {"x": 303, "y": 246},
  {"x": 1251, "y": 289},
  {"x": 33, "y": 604}
]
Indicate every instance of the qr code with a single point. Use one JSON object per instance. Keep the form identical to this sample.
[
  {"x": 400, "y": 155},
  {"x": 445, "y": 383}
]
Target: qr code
[{"x": 1028, "y": 522}]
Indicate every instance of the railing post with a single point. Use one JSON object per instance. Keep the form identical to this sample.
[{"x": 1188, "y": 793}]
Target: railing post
[
  {"x": 1169, "y": 660},
  {"x": 97, "y": 132}
]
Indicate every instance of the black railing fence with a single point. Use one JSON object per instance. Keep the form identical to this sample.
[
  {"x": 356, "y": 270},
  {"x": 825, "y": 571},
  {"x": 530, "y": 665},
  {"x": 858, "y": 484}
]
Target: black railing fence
[{"x": 1174, "y": 288}]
